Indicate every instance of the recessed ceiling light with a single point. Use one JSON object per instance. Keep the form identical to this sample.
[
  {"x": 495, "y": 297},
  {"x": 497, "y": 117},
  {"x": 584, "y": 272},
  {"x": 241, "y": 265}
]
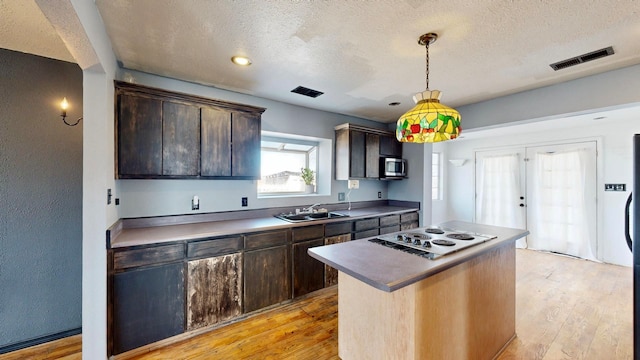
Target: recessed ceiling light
[{"x": 241, "y": 60}]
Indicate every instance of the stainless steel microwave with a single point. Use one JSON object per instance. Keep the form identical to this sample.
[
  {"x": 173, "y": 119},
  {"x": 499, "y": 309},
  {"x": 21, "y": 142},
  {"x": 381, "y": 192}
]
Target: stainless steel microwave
[{"x": 391, "y": 168}]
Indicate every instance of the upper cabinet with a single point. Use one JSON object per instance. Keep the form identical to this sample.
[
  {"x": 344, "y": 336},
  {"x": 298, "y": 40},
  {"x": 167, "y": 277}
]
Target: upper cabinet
[
  {"x": 359, "y": 149},
  {"x": 164, "y": 135}
]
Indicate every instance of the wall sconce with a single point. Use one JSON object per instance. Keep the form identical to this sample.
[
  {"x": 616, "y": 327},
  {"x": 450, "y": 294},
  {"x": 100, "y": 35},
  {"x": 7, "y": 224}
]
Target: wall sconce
[
  {"x": 64, "y": 105},
  {"x": 457, "y": 162}
]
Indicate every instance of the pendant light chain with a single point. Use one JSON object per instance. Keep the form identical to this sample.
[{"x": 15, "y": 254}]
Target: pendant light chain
[{"x": 426, "y": 71}]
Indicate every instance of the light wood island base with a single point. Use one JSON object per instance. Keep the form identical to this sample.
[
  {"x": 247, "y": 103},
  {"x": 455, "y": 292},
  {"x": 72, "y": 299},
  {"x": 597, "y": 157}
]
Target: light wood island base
[{"x": 465, "y": 312}]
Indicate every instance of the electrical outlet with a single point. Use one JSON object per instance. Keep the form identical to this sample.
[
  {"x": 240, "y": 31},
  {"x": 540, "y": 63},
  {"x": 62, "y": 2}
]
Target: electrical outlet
[
  {"x": 245, "y": 201},
  {"x": 340, "y": 196},
  {"x": 195, "y": 203},
  {"x": 109, "y": 196},
  {"x": 379, "y": 194},
  {"x": 353, "y": 184}
]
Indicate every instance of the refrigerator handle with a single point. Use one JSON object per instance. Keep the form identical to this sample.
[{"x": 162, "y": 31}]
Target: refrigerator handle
[{"x": 626, "y": 222}]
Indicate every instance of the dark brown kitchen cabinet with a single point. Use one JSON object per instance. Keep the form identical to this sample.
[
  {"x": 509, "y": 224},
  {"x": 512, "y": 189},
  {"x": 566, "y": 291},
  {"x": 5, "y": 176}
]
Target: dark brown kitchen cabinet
[
  {"x": 245, "y": 140},
  {"x": 230, "y": 144},
  {"x": 163, "y": 135},
  {"x": 366, "y": 228},
  {"x": 180, "y": 139},
  {"x": 409, "y": 221},
  {"x": 390, "y": 146},
  {"x": 148, "y": 305},
  {"x": 214, "y": 290},
  {"x": 330, "y": 273},
  {"x": 216, "y": 142},
  {"x": 266, "y": 269},
  {"x": 389, "y": 224},
  {"x": 350, "y": 154},
  {"x": 358, "y": 151},
  {"x": 308, "y": 273},
  {"x": 139, "y": 132},
  {"x": 372, "y": 155}
]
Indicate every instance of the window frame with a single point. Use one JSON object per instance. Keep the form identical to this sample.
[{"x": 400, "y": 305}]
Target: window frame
[{"x": 284, "y": 139}]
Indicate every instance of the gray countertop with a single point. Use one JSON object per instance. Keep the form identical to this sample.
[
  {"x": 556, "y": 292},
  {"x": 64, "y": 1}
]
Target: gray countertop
[
  {"x": 184, "y": 232},
  {"x": 389, "y": 269}
]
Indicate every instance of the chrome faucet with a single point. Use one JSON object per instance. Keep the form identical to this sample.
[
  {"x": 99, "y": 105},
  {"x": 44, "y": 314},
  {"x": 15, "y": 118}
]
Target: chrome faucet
[{"x": 310, "y": 208}]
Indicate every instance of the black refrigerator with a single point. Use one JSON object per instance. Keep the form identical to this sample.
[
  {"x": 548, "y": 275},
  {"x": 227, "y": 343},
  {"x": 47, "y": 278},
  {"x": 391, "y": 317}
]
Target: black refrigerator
[{"x": 632, "y": 219}]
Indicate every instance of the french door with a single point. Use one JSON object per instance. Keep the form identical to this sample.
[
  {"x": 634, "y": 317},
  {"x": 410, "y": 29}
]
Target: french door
[
  {"x": 500, "y": 189},
  {"x": 549, "y": 190}
]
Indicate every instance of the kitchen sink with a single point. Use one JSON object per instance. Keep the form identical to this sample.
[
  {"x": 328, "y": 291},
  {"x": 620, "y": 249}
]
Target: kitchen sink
[{"x": 311, "y": 216}]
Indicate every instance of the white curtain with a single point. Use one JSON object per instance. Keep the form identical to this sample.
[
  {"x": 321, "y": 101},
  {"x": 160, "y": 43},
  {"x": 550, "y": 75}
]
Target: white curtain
[
  {"x": 558, "y": 217},
  {"x": 498, "y": 192}
]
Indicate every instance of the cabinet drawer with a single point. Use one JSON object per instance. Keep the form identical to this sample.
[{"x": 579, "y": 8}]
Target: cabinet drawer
[
  {"x": 366, "y": 224},
  {"x": 409, "y": 217},
  {"x": 267, "y": 239},
  {"x": 390, "y": 220},
  {"x": 148, "y": 256},
  {"x": 307, "y": 232},
  {"x": 389, "y": 229},
  {"x": 365, "y": 234},
  {"x": 213, "y": 247},
  {"x": 337, "y": 229}
]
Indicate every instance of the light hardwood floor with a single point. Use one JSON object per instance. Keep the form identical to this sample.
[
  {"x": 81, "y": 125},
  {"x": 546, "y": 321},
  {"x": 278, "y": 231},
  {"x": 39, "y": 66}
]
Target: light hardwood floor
[{"x": 566, "y": 309}]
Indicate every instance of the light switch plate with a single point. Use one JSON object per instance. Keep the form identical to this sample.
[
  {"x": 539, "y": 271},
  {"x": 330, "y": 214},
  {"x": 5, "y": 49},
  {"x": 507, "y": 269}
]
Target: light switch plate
[{"x": 353, "y": 184}]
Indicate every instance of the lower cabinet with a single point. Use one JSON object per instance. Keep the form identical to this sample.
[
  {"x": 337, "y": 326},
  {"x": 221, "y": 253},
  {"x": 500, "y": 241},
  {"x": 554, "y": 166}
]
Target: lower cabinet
[
  {"x": 308, "y": 273},
  {"x": 331, "y": 274},
  {"x": 148, "y": 305},
  {"x": 266, "y": 277},
  {"x": 214, "y": 290},
  {"x": 409, "y": 221}
]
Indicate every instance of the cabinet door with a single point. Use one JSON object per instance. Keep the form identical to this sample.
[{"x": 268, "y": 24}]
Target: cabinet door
[
  {"x": 330, "y": 273},
  {"x": 180, "y": 139},
  {"x": 245, "y": 140},
  {"x": 148, "y": 306},
  {"x": 266, "y": 277},
  {"x": 215, "y": 151},
  {"x": 357, "y": 154},
  {"x": 139, "y": 136},
  {"x": 308, "y": 273},
  {"x": 214, "y": 290},
  {"x": 390, "y": 146},
  {"x": 372, "y": 165}
]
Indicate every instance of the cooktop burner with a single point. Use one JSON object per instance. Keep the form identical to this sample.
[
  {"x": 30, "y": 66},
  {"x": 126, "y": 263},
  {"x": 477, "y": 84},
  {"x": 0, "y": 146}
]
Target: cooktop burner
[
  {"x": 431, "y": 242},
  {"x": 434, "y": 231},
  {"x": 458, "y": 236},
  {"x": 443, "y": 242}
]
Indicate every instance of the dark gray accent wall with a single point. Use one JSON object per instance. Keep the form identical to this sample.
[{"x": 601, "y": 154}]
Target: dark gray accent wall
[{"x": 40, "y": 198}]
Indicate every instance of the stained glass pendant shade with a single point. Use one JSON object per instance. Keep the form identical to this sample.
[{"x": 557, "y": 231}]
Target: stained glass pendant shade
[{"x": 429, "y": 121}]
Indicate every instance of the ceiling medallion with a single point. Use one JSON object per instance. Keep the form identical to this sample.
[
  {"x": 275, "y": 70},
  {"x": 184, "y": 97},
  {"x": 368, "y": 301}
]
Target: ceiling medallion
[{"x": 429, "y": 120}]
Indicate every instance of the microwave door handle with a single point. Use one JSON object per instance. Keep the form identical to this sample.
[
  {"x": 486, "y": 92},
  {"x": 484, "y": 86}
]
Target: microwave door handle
[
  {"x": 404, "y": 171},
  {"x": 626, "y": 222}
]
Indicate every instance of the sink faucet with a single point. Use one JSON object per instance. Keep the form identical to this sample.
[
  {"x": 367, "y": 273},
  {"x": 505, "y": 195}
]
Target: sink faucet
[{"x": 310, "y": 208}]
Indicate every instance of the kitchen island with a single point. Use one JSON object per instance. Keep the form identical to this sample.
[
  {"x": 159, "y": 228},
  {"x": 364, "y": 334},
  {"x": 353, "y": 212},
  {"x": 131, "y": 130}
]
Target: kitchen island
[{"x": 397, "y": 305}]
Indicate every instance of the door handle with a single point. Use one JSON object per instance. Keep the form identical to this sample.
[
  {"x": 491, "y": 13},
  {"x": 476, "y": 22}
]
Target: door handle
[{"x": 626, "y": 222}]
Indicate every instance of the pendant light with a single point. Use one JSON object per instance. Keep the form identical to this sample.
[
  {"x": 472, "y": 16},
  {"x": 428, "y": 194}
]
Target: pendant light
[{"x": 429, "y": 121}]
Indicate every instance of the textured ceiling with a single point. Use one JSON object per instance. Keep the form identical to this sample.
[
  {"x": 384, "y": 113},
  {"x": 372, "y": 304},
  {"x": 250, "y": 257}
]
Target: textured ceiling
[
  {"x": 364, "y": 54},
  {"x": 24, "y": 28}
]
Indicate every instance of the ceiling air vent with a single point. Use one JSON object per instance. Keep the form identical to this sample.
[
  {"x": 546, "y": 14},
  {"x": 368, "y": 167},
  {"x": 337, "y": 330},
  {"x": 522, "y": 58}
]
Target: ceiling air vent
[
  {"x": 582, "y": 58},
  {"x": 307, "y": 92}
]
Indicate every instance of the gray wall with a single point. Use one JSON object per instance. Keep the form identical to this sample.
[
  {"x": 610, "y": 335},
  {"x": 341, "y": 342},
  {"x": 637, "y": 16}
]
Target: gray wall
[{"x": 40, "y": 198}]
